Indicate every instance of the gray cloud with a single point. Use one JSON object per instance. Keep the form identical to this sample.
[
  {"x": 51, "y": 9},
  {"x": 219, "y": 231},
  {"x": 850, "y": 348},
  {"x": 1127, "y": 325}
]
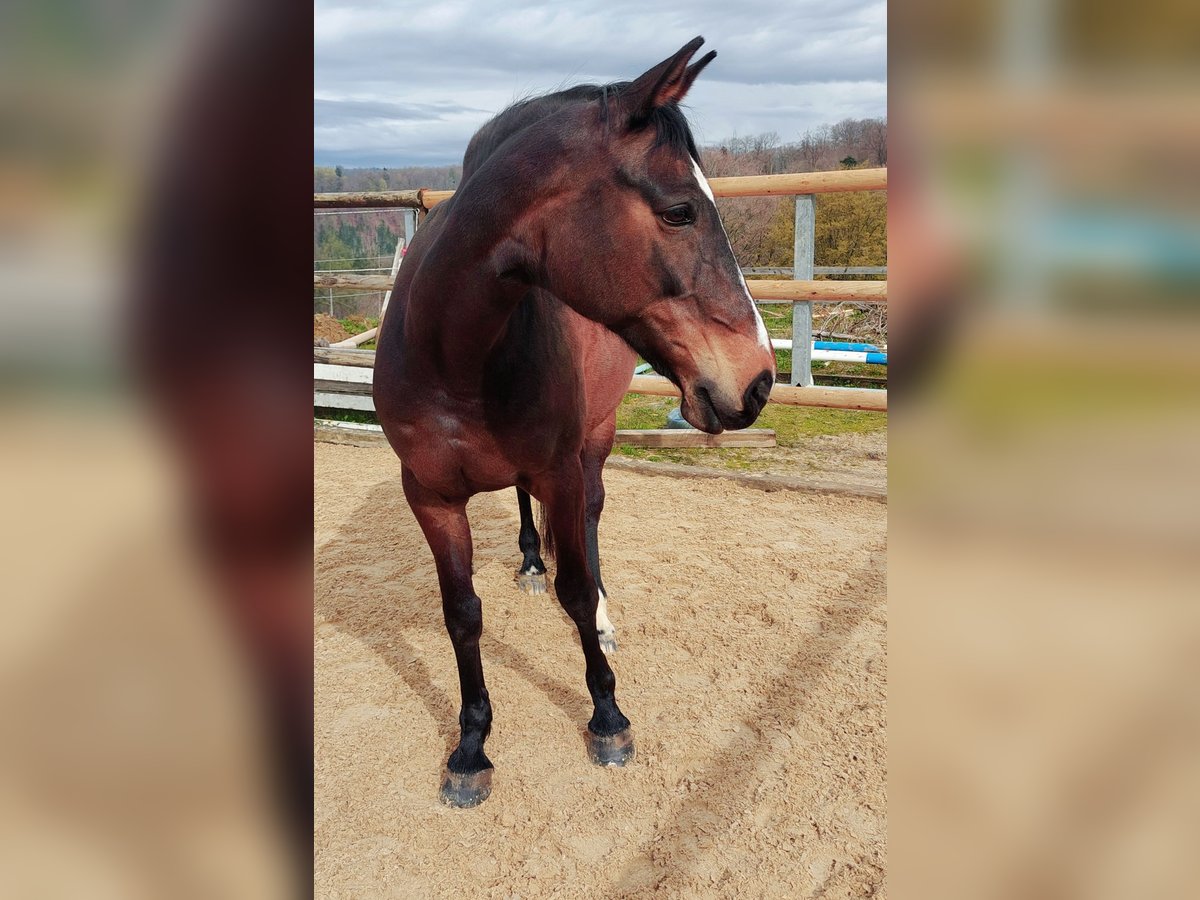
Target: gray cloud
[
  {"x": 405, "y": 83},
  {"x": 341, "y": 112}
]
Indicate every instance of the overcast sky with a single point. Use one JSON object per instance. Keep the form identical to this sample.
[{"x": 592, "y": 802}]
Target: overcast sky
[{"x": 403, "y": 83}]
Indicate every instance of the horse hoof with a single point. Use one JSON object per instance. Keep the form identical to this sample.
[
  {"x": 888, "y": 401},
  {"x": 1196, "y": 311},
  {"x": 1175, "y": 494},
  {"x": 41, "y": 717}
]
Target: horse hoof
[
  {"x": 608, "y": 642},
  {"x": 532, "y": 583},
  {"x": 611, "y": 749},
  {"x": 463, "y": 791}
]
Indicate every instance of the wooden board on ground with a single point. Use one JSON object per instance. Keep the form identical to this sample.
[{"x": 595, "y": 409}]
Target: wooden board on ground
[
  {"x": 339, "y": 356},
  {"x": 353, "y": 433},
  {"x": 342, "y": 387},
  {"x": 690, "y": 437}
]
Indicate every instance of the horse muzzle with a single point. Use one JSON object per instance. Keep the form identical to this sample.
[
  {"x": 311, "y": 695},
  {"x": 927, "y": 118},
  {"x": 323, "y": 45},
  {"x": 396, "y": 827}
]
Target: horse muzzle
[{"x": 708, "y": 409}]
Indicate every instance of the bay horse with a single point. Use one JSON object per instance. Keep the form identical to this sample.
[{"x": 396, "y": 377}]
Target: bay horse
[{"x": 583, "y": 233}]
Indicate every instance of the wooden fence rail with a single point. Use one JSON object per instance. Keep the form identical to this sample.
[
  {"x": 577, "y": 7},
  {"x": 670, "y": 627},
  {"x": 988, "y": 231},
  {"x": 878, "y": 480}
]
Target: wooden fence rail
[
  {"x": 368, "y": 200},
  {"x": 767, "y": 291},
  {"x": 828, "y": 397},
  {"x": 737, "y": 186}
]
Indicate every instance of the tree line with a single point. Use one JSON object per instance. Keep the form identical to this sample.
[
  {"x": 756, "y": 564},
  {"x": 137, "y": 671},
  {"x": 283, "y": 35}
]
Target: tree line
[
  {"x": 401, "y": 178},
  {"x": 849, "y": 143}
]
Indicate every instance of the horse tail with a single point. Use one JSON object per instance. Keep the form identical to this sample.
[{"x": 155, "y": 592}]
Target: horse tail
[{"x": 546, "y": 531}]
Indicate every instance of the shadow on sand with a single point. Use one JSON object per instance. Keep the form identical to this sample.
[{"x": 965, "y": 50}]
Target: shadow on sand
[{"x": 418, "y": 607}]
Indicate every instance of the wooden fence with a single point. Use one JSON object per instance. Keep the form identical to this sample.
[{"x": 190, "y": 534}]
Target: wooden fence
[{"x": 801, "y": 291}]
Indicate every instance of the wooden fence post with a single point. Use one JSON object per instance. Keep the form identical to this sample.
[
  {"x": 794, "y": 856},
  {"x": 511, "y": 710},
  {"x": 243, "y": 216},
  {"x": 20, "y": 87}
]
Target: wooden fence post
[{"x": 802, "y": 270}]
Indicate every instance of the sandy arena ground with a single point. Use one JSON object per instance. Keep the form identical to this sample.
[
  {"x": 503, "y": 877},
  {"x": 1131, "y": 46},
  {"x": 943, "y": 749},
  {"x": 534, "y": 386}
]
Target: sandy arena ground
[{"x": 752, "y": 664}]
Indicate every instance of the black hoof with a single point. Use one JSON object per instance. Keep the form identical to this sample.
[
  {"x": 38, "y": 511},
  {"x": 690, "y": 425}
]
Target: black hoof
[
  {"x": 611, "y": 749},
  {"x": 464, "y": 791}
]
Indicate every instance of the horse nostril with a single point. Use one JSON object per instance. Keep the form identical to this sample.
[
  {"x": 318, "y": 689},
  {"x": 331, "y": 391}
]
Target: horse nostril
[
  {"x": 758, "y": 392},
  {"x": 765, "y": 382}
]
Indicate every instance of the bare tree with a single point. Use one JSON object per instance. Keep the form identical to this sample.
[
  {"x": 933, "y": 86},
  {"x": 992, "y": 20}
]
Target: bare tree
[
  {"x": 765, "y": 142},
  {"x": 848, "y": 138},
  {"x": 876, "y": 140},
  {"x": 814, "y": 148}
]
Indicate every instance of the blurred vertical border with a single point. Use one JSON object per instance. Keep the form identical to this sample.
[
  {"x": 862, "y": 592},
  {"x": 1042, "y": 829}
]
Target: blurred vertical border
[
  {"x": 155, "y": 665},
  {"x": 1044, "y": 504}
]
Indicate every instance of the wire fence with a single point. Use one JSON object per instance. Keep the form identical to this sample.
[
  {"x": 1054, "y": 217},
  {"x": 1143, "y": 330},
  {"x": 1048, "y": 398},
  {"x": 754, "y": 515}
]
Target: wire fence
[{"x": 341, "y": 304}]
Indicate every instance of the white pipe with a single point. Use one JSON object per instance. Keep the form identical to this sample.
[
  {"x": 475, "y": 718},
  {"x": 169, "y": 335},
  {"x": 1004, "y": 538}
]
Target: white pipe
[{"x": 835, "y": 355}]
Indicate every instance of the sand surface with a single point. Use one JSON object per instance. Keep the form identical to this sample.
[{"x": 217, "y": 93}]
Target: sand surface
[{"x": 752, "y": 664}]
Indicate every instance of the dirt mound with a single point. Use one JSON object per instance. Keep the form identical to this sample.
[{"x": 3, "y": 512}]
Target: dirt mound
[
  {"x": 328, "y": 329},
  {"x": 752, "y": 663}
]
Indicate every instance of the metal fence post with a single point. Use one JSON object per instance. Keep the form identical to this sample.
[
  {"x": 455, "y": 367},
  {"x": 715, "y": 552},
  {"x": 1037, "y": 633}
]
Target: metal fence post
[{"x": 802, "y": 270}]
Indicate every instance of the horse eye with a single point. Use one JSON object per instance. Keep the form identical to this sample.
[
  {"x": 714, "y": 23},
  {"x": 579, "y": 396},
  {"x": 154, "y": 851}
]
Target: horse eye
[{"x": 678, "y": 215}]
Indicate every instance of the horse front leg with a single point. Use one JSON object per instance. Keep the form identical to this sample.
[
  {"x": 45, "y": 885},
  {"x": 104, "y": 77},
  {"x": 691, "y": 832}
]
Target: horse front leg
[
  {"x": 468, "y": 778},
  {"x": 610, "y": 741}
]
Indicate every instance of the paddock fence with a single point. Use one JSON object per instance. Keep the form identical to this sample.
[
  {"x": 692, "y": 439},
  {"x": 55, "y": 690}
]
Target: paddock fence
[{"x": 338, "y": 385}]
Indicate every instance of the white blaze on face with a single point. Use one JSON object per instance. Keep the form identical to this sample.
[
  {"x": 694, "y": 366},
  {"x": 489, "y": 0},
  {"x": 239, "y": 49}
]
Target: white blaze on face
[{"x": 763, "y": 339}]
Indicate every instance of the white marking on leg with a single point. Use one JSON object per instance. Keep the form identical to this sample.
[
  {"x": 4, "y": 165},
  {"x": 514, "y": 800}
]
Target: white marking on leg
[
  {"x": 604, "y": 627},
  {"x": 602, "y": 621},
  {"x": 764, "y": 339}
]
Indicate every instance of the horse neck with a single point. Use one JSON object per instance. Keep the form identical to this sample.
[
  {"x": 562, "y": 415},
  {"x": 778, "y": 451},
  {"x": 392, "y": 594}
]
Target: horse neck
[{"x": 463, "y": 307}]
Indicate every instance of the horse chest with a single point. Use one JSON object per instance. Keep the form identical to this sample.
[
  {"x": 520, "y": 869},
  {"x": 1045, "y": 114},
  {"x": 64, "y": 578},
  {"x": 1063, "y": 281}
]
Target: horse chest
[{"x": 459, "y": 455}]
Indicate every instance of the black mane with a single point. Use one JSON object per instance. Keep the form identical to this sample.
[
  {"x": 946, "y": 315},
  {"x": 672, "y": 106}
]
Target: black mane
[{"x": 669, "y": 123}]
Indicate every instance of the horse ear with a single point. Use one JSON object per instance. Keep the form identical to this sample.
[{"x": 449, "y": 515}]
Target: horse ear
[{"x": 667, "y": 82}]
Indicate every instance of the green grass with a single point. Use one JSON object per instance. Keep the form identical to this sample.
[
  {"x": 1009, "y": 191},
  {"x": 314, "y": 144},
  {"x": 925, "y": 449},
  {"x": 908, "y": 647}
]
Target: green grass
[
  {"x": 345, "y": 415},
  {"x": 793, "y": 426},
  {"x": 791, "y": 423},
  {"x": 358, "y": 324}
]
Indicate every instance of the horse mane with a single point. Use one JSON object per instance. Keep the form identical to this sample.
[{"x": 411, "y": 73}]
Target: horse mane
[{"x": 668, "y": 121}]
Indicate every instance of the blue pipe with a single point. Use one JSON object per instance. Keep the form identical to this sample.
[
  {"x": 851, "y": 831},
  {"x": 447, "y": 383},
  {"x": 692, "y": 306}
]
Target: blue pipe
[{"x": 841, "y": 345}]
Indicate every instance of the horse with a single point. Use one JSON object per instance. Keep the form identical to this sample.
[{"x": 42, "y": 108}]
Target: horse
[{"x": 583, "y": 233}]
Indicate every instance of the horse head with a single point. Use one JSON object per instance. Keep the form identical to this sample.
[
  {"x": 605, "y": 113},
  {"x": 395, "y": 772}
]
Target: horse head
[{"x": 630, "y": 237}]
